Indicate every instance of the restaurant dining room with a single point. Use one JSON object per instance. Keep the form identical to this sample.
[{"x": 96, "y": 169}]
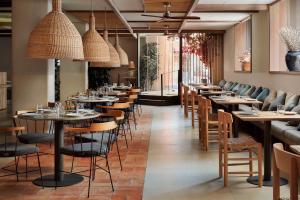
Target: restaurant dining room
[{"x": 149, "y": 99}]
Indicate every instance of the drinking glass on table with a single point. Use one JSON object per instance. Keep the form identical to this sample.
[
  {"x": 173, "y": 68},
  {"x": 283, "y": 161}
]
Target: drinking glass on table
[
  {"x": 280, "y": 109},
  {"x": 39, "y": 108}
]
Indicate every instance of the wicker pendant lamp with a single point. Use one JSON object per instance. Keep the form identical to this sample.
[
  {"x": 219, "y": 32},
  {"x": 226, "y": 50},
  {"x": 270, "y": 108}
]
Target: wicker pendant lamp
[
  {"x": 55, "y": 37},
  {"x": 94, "y": 47},
  {"x": 121, "y": 52},
  {"x": 114, "y": 56}
]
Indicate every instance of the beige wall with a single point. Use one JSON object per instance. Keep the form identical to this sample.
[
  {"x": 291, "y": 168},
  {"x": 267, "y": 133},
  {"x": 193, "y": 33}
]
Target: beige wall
[
  {"x": 73, "y": 75},
  {"x": 129, "y": 44},
  {"x": 33, "y": 79},
  {"x": 260, "y": 59}
]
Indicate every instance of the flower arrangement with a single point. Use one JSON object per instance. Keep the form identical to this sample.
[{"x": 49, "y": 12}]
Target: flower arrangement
[
  {"x": 291, "y": 37},
  {"x": 246, "y": 57}
]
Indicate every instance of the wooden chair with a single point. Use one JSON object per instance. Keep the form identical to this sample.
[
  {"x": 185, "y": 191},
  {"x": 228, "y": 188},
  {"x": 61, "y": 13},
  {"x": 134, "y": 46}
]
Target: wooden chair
[
  {"x": 289, "y": 164},
  {"x": 186, "y": 100},
  {"x": 123, "y": 107},
  {"x": 208, "y": 129},
  {"x": 194, "y": 106},
  {"x": 229, "y": 145}
]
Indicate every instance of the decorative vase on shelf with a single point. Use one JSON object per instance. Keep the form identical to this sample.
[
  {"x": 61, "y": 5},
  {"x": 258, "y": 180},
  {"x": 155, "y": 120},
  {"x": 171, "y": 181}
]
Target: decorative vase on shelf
[{"x": 292, "y": 60}]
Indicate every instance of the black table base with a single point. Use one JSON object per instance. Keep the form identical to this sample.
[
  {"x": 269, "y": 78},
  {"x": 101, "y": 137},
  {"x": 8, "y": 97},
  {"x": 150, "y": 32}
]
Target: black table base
[
  {"x": 269, "y": 183},
  {"x": 49, "y": 181}
]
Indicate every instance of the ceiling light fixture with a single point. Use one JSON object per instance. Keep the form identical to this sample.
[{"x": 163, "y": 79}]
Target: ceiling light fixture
[{"x": 55, "y": 37}]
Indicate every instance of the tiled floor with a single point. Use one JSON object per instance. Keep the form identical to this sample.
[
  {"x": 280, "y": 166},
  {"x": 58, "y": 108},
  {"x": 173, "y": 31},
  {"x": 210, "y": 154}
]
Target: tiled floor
[
  {"x": 128, "y": 182},
  {"x": 178, "y": 169}
]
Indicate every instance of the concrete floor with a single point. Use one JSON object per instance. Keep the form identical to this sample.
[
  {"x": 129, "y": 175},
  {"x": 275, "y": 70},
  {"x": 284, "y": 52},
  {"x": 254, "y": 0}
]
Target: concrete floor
[{"x": 178, "y": 169}]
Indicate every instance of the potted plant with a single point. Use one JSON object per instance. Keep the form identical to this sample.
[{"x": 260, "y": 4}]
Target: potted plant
[{"x": 291, "y": 37}]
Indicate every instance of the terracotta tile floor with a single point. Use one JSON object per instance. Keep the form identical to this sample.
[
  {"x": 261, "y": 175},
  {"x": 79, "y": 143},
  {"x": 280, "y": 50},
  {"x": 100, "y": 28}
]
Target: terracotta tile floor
[{"x": 128, "y": 183}]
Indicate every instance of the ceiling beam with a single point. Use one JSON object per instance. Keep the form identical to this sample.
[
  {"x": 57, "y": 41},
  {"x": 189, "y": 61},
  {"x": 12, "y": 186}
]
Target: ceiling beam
[
  {"x": 190, "y": 11},
  {"x": 161, "y": 30},
  {"x": 118, "y": 13},
  {"x": 248, "y": 8}
]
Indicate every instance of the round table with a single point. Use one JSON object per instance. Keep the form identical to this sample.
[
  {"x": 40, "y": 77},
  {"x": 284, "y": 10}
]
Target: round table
[{"x": 59, "y": 178}]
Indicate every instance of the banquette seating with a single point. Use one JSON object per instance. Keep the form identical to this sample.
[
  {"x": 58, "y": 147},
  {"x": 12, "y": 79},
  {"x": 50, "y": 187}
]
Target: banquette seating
[{"x": 287, "y": 132}]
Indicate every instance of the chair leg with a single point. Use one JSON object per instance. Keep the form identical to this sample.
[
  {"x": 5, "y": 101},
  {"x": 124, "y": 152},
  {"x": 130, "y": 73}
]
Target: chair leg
[
  {"x": 134, "y": 119},
  {"x": 26, "y": 166},
  {"x": 260, "y": 158},
  {"x": 293, "y": 179},
  {"x": 16, "y": 165},
  {"x": 72, "y": 166},
  {"x": 40, "y": 168},
  {"x": 225, "y": 167},
  {"x": 250, "y": 163},
  {"x": 220, "y": 162},
  {"x": 90, "y": 175},
  {"x": 276, "y": 179},
  {"x": 128, "y": 124},
  {"x": 119, "y": 154},
  {"x": 111, "y": 182}
]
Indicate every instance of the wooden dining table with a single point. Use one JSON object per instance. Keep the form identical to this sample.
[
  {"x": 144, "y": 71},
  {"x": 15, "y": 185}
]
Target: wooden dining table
[
  {"x": 266, "y": 117},
  {"x": 206, "y": 88},
  {"x": 59, "y": 178},
  {"x": 232, "y": 103}
]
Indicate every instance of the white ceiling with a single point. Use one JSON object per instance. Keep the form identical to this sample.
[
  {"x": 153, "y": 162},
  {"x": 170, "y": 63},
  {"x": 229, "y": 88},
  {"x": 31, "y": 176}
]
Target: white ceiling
[
  {"x": 221, "y": 16},
  {"x": 212, "y": 21},
  {"x": 236, "y": 1},
  {"x": 208, "y": 26}
]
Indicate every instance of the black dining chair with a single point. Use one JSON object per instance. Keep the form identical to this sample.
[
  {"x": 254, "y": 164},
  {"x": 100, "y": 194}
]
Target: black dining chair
[
  {"x": 92, "y": 149},
  {"x": 11, "y": 147}
]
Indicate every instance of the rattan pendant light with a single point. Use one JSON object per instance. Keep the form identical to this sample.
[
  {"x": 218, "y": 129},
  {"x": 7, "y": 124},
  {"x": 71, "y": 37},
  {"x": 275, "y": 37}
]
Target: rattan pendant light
[
  {"x": 122, "y": 54},
  {"x": 55, "y": 37},
  {"x": 114, "y": 56},
  {"x": 94, "y": 47}
]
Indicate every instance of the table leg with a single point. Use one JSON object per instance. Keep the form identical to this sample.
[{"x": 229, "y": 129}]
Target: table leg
[
  {"x": 267, "y": 180},
  {"x": 59, "y": 179},
  {"x": 235, "y": 130}
]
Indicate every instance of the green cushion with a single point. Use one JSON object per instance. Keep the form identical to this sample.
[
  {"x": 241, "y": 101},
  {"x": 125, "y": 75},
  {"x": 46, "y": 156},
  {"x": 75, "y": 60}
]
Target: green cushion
[
  {"x": 269, "y": 100},
  {"x": 256, "y": 92},
  {"x": 232, "y": 86},
  {"x": 237, "y": 87},
  {"x": 227, "y": 85},
  {"x": 250, "y": 91},
  {"x": 291, "y": 101},
  {"x": 276, "y": 102},
  {"x": 246, "y": 88},
  {"x": 279, "y": 93},
  {"x": 263, "y": 95},
  {"x": 296, "y": 109}
]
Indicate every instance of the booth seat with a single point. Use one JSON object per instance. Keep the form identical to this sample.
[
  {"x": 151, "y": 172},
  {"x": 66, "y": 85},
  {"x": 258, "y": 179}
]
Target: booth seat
[{"x": 287, "y": 132}]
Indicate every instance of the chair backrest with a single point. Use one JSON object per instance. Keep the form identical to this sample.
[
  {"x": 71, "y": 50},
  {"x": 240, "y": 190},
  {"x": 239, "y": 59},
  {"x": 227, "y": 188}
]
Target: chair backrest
[
  {"x": 51, "y": 104},
  {"x": 225, "y": 121},
  {"x": 284, "y": 159},
  {"x": 117, "y": 114},
  {"x": 135, "y": 90},
  {"x": 105, "y": 126},
  {"x": 121, "y": 105}
]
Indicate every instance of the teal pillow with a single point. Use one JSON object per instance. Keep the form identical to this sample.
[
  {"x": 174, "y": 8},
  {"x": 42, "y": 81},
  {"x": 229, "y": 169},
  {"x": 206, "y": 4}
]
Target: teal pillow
[
  {"x": 237, "y": 87},
  {"x": 222, "y": 83},
  {"x": 250, "y": 91},
  {"x": 241, "y": 88},
  {"x": 263, "y": 95},
  {"x": 227, "y": 85},
  {"x": 232, "y": 86},
  {"x": 256, "y": 92},
  {"x": 296, "y": 109},
  {"x": 290, "y": 101},
  {"x": 246, "y": 88},
  {"x": 276, "y": 102}
]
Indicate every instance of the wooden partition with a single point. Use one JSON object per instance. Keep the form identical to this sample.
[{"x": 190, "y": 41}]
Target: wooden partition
[{"x": 3, "y": 90}]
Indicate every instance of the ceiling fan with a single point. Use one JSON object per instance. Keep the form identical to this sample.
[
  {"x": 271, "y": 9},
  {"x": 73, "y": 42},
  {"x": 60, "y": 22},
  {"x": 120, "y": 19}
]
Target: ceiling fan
[
  {"x": 167, "y": 15},
  {"x": 167, "y": 33}
]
